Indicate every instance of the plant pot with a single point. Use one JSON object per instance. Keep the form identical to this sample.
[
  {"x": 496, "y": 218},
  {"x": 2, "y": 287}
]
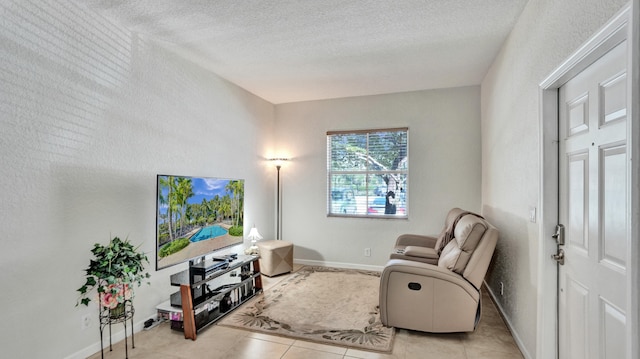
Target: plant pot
[{"x": 117, "y": 312}]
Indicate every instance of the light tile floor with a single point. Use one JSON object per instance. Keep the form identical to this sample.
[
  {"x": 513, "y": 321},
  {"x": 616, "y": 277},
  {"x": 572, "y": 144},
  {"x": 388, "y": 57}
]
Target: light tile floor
[{"x": 491, "y": 340}]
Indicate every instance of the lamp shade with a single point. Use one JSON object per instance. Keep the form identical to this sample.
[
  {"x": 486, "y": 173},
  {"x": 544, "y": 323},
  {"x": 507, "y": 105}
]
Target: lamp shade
[
  {"x": 279, "y": 161},
  {"x": 253, "y": 234}
]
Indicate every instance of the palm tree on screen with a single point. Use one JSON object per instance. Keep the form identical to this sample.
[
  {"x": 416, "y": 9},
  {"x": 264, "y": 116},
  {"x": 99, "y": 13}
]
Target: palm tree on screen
[
  {"x": 184, "y": 191},
  {"x": 167, "y": 182}
]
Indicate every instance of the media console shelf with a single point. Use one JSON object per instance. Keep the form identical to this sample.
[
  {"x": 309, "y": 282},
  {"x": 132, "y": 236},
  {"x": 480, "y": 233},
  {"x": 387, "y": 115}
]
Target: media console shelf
[{"x": 202, "y": 305}]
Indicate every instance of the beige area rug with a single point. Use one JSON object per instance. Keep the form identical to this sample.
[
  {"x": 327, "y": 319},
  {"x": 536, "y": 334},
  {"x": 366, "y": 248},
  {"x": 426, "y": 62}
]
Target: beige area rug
[{"x": 320, "y": 304}]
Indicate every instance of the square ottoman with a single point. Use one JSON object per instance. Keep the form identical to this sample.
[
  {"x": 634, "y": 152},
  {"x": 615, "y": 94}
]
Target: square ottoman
[{"x": 276, "y": 257}]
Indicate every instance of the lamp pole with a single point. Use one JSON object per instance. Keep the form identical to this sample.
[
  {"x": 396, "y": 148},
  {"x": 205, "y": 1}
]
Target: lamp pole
[
  {"x": 278, "y": 203},
  {"x": 278, "y": 162}
]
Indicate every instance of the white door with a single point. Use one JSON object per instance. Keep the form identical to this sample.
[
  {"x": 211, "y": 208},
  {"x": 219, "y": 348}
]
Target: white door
[{"x": 593, "y": 208}]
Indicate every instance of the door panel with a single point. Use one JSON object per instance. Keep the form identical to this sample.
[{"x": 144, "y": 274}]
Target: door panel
[
  {"x": 593, "y": 207},
  {"x": 578, "y": 198},
  {"x": 578, "y": 115},
  {"x": 614, "y": 197},
  {"x": 577, "y": 325},
  {"x": 614, "y": 94},
  {"x": 614, "y": 330}
]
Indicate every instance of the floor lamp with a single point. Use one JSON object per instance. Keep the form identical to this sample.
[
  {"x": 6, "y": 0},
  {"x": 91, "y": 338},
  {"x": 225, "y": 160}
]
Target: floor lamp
[{"x": 278, "y": 162}]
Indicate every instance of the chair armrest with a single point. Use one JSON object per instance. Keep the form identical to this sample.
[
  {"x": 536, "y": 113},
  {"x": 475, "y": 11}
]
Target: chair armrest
[
  {"x": 417, "y": 240},
  {"x": 423, "y": 252},
  {"x": 428, "y": 270}
]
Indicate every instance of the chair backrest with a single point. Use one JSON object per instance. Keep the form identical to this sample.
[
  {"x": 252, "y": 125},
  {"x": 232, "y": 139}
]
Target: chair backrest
[
  {"x": 451, "y": 216},
  {"x": 448, "y": 222},
  {"x": 470, "y": 252}
]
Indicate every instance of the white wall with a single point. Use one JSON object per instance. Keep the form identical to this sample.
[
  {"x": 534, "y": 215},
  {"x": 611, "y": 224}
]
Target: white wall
[
  {"x": 89, "y": 114},
  {"x": 546, "y": 33},
  {"x": 444, "y": 165}
]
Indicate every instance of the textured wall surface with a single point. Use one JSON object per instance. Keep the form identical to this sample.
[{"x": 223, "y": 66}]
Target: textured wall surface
[
  {"x": 89, "y": 114},
  {"x": 546, "y": 34},
  {"x": 444, "y": 152}
]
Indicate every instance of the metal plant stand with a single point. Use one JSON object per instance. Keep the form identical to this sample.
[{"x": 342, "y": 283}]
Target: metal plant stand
[{"x": 120, "y": 314}]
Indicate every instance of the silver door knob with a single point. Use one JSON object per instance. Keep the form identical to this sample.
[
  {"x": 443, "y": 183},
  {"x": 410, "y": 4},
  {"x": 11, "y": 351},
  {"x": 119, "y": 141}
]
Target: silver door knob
[{"x": 559, "y": 257}]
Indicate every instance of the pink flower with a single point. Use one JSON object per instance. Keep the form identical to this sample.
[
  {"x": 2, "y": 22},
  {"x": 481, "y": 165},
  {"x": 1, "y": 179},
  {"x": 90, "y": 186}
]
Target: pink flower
[{"x": 115, "y": 294}]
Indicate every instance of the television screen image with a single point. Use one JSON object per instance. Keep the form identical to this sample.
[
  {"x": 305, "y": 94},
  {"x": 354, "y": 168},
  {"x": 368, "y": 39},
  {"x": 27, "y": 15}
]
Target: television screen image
[{"x": 196, "y": 216}]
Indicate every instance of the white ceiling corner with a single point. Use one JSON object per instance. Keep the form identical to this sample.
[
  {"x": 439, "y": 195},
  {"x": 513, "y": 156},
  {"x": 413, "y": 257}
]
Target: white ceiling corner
[{"x": 300, "y": 50}]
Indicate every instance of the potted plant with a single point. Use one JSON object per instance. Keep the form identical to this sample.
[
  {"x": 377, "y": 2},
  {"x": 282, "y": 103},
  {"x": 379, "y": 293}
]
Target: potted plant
[{"x": 113, "y": 272}]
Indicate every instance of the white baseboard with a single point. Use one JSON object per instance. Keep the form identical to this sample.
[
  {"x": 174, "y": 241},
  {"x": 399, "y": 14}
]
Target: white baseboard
[
  {"x": 338, "y": 265},
  {"x": 115, "y": 337},
  {"x": 513, "y": 331}
]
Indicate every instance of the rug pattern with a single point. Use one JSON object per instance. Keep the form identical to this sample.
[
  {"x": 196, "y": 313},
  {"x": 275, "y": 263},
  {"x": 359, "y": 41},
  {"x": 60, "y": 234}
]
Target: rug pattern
[{"x": 326, "y": 305}]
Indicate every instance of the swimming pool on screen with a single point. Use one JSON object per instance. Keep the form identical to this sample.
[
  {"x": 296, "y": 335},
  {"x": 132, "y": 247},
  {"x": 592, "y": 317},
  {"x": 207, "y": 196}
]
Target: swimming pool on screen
[{"x": 208, "y": 233}]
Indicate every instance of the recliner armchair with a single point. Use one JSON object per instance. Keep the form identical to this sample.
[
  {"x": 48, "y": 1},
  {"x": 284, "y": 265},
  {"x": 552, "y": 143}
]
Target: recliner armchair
[
  {"x": 443, "y": 297},
  {"x": 424, "y": 248}
]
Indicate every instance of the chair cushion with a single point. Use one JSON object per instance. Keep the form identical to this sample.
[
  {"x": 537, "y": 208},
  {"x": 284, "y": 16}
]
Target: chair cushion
[{"x": 456, "y": 254}]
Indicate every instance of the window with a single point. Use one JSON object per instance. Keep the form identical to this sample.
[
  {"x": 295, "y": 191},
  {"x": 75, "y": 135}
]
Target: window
[{"x": 368, "y": 172}]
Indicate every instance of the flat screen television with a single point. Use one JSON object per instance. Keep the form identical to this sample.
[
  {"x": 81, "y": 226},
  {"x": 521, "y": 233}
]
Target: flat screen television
[{"x": 196, "y": 216}]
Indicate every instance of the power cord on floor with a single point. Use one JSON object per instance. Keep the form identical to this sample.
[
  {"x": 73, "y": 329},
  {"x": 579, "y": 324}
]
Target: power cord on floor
[{"x": 151, "y": 323}]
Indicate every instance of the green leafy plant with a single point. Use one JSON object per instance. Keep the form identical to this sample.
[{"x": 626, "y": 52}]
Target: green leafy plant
[{"x": 115, "y": 266}]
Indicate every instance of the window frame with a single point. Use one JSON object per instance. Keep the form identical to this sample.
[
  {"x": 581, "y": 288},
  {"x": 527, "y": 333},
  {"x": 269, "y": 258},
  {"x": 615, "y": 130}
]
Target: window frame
[{"x": 402, "y": 173}]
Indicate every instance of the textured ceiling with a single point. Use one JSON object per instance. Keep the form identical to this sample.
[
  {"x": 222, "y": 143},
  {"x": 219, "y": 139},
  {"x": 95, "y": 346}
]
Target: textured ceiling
[{"x": 298, "y": 50}]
